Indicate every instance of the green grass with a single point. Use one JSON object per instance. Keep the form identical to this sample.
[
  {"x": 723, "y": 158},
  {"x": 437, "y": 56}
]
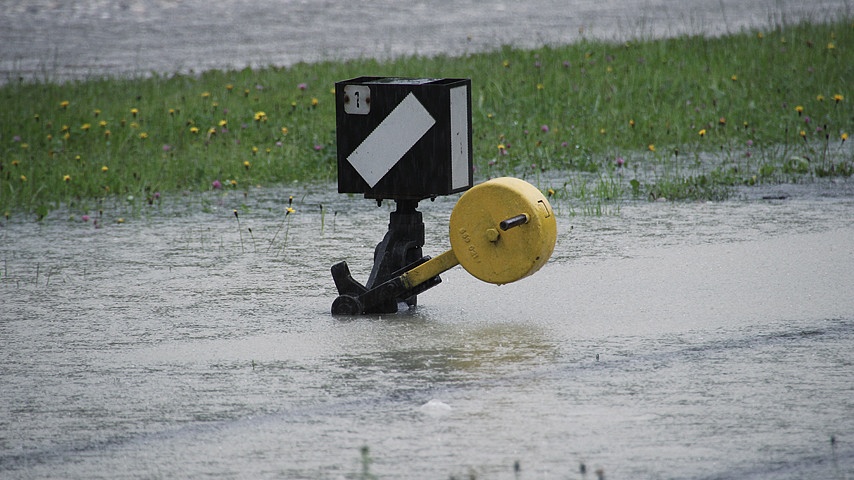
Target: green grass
[{"x": 688, "y": 117}]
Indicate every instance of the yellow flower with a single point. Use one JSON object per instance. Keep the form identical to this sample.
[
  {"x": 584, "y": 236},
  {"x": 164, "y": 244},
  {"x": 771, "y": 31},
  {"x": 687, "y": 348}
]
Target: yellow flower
[
  {"x": 254, "y": 150},
  {"x": 212, "y": 131},
  {"x": 97, "y": 112},
  {"x": 760, "y": 35},
  {"x": 246, "y": 164},
  {"x": 66, "y": 178},
  {"x": 722, "y": 121},
  {"x": 289, "y": 211},
  {"x": 819, "y": 97},
  {"x": 551, "y": 192},
  {"x": 734, "y": 78},
  {"x": 104, "y": 168},
  {"x": 64, "y": 104},
  {"x": 120, "y": 220},
  {"x": 64, "y": 128},
  {"x": 223, "y": 123},
  {"x": 844, "y": 136},
  {"x": 134, "y": 111},
  {"x": 23, "y": 178},
  {"x": 506, "y": 63},
  {"x": 229, "y": 87},
  {"x": 143, "y": 135},
  {"x": 134, "y": 125},
  {"x": 501, "y": 146},
  {"x": 102, "y": 124},
  {"x": 206, "y": 94},
  {"x": 601, "y": 131},
  {"x": 233, "y": 183},
  {"x": 260, "y": 117},
  {"x": 631, "y": 123},
  {"x": 284, "y": 130},
  {"x": 651, "y": 147},
  {"x": 15, "y": 163},
  {"x": 25, "y": 146},
  {"x": 85, "y": 127},
  {"x": 803, "y": 134},
  {"x": 703, "y": 132},
  {"x": 107, "y": 133},
  {"x": 314, "y": 102},
  {"x": 831, "y": 46},
  {"x": 799, "y": 109},
  {"x": 838, "y": 98},
  {"x": 540, "y": 86},
  {"x": 194, "y": 129}
]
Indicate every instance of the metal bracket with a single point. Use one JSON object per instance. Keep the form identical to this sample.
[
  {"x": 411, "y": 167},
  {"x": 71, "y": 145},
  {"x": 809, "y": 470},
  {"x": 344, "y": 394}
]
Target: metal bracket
[{"x": 399, "y": 251}]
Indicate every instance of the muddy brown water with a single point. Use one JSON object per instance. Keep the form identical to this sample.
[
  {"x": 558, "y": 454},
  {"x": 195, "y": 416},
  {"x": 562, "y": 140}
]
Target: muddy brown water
[{"x": 669, "y": 340}]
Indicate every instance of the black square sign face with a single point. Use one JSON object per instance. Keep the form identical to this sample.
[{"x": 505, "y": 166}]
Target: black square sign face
[{"x": 403, "y": 138}]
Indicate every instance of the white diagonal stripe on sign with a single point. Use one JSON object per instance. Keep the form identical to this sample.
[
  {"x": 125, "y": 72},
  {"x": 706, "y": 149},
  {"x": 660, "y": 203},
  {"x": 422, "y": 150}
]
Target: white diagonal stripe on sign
[{"x": 392, "y": 138}]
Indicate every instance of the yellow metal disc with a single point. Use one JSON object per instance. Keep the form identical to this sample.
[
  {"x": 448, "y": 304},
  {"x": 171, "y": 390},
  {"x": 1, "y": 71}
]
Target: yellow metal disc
[{"x": 491, "y": 253}]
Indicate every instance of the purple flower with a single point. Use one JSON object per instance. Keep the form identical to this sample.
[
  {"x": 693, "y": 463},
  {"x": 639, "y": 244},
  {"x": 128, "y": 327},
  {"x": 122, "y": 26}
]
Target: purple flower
[
  {"x": 750, "y": 143},
  {"x": 545, "y": 129},
  {"x": 620, "y": 161},
  {"x": 156, "y": 194},
  {"x": 216, "y": 184},
  {"x": 302, "y": 86},
  {"x": 85, "y": 218},
  {"x": 166, "y": 148},
  {"x": 807, "y": 120},
  {"x": 318, "y": 147},
  {"x": 279, "y": 144},
  {"x": 16, "y": 138}
]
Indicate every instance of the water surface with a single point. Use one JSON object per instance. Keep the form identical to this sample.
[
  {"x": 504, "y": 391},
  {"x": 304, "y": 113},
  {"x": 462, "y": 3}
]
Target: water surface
[{"x": 676, "y": 340}]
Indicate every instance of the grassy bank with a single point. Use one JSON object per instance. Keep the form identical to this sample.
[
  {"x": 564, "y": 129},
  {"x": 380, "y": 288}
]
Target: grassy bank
[{"x": 682, "y": 118}]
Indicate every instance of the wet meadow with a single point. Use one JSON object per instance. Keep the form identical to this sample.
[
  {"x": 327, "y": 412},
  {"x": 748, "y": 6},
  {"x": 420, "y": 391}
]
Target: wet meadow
[{"x": 685, "y": 118}]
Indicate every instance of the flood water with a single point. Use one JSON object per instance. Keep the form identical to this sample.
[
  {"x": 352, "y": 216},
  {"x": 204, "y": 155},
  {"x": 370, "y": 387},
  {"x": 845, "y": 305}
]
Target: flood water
[
  {"x": 60, "y": 40},
  {"x": 668, "y": 340},
  {"x": 674, "y": 340}
]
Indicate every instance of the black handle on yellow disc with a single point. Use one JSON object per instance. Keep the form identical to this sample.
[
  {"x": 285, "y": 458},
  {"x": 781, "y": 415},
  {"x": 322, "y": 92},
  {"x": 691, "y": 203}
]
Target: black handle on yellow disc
[{"x": 520, "y": 219}]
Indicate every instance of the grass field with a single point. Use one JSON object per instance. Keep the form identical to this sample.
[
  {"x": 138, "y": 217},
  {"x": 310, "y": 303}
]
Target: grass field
[{"x": 682, "y": 118}]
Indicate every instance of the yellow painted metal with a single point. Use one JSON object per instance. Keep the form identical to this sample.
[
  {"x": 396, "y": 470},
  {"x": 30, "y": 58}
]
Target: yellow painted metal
[
  {"x": 429, "y": 269},
  {"x": 502, "y": 256}
]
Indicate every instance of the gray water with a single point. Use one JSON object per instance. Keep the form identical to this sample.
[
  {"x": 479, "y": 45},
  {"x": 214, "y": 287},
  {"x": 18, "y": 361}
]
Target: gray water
[
  {"x": 670, "y": 340},
  {"x": 61, "y": 40},
  {"x": 674, "y": 340}
]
